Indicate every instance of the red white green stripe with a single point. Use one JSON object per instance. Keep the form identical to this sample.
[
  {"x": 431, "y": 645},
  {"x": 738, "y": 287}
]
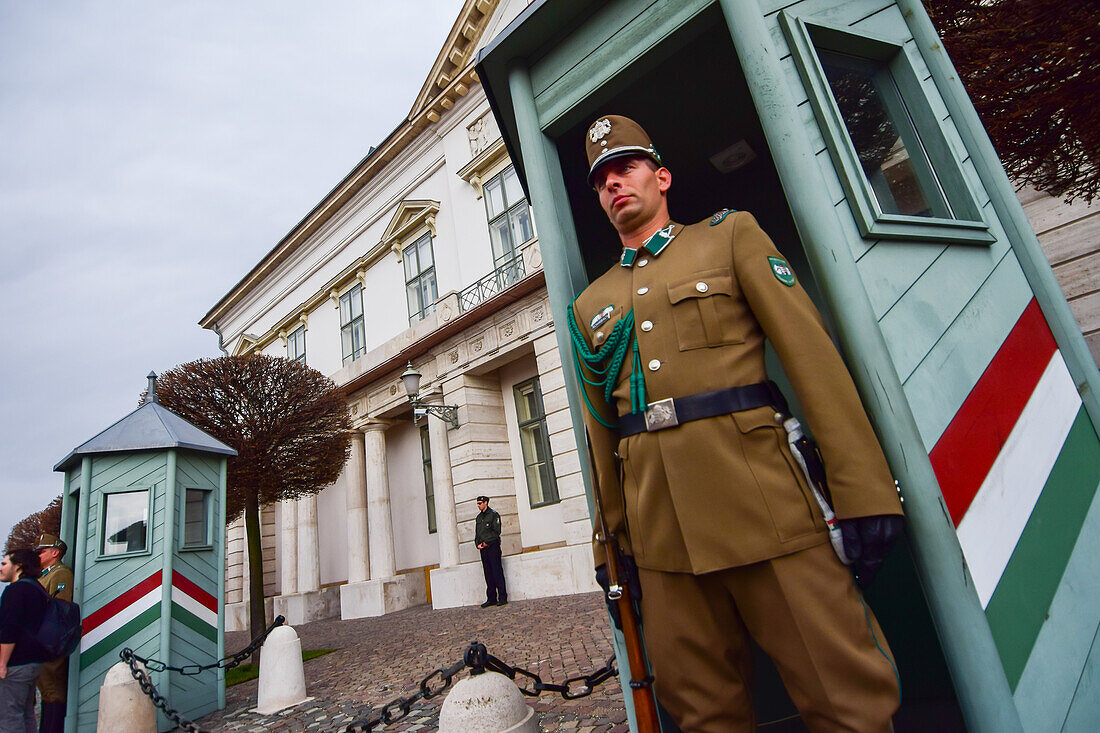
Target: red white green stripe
[
  {"x": 120, "y": 619},
  {"x": 194, "y": 607},
  {"x": 112, "y": 626},
  {"x": 1018, "y": 466}
]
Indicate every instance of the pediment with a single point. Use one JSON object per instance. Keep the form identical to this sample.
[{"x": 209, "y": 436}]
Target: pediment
[
  {"x": 409, "y": 219},
  {"x": 246, "y": 344}
]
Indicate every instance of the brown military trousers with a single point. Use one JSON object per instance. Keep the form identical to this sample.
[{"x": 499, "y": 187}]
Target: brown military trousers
[
  {"x": 53, "y": 680},
  {"x": 802, "y": 609}
]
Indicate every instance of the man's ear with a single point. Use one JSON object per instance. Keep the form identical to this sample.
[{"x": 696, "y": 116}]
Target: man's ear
[{"x": 664, "y": 179}]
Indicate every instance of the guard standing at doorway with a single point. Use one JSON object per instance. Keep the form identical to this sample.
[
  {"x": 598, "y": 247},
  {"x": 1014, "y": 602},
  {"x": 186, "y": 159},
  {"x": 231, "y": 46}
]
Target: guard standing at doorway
[
  {"x": 53, "y": 680},
  {"x": 696, "y": 476},
  {"x": 487, "y": 539}
]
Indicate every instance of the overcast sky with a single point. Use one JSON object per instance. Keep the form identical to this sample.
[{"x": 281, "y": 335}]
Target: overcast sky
[{"x": 150, "y": 154}]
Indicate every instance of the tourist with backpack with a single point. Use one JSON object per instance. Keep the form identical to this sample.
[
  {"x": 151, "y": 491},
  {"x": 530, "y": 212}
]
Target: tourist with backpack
[
  {"x": 22, "y": 607},
  {"x": 53, "y": 679}
]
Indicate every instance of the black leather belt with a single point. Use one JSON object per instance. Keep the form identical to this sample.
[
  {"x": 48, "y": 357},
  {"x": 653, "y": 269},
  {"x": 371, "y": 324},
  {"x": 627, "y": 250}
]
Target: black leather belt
[{"x": 671, "y": 412}]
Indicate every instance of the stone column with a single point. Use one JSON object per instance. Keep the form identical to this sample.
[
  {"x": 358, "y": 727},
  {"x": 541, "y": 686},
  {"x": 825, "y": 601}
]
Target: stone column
[
  {"x": 358, "y": 551},
  {"x": 380, "y": 526},
  {"x": 446, "y": 522},
  {"x": 288, "y": 541},
  {"x": 309, "y": 563}
]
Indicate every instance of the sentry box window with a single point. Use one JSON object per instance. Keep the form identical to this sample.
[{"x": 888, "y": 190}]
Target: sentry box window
[
  {"x": 125, "y": 523},
  {"x": 901, "y": 177},
  {"x": 197, "y": 518}
]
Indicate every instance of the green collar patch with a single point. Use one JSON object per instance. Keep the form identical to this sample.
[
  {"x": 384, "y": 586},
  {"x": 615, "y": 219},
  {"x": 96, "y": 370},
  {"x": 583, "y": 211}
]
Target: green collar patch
[
  {"x": 720, "y": 215},
  {"x": 654, "y": 245},
  {"x": 782, "y": 271}
]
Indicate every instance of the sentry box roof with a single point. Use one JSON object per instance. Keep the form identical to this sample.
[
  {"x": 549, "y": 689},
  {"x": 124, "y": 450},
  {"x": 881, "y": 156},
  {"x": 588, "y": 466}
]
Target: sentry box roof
[{"x": 149, "y": 427}]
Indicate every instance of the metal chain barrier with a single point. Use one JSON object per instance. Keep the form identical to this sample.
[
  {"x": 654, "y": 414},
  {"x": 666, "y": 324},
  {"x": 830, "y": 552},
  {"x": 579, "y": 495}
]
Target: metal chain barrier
[
  {"x": 478, "y": 659},
  {"x": 155, "y": 665}
]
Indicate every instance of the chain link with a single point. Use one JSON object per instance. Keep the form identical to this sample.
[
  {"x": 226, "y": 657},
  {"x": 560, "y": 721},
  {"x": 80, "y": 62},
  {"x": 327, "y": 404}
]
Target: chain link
[
  {"x": 478, "y": 659},
  {"x": 140, "y": 668}
]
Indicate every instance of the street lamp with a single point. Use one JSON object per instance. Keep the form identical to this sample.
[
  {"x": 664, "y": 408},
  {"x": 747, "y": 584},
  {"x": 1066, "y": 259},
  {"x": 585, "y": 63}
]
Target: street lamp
[{"x": 411, "y": 379}]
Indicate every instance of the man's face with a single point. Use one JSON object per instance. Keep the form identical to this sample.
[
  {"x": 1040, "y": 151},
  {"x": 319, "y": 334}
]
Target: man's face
[
  {"x": 481, "y": 505},
  {"x": 48, "y": 556},
  {"x": 631, "y": 191},
  {"x": 7, "y": 570}
]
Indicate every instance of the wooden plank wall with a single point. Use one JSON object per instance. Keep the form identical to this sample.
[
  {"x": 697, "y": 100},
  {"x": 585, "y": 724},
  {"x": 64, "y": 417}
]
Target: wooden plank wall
[
  {"x": 196, "y": 695},
  {"x": 1070, "y": 237},
  {"x": 943, "y": 309},
  {"x": 107, "y": 579}
]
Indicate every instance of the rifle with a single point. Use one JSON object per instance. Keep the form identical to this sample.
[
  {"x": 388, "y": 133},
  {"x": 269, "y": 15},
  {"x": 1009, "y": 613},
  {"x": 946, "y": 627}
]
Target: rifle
[{"x": 641, "y": 683}]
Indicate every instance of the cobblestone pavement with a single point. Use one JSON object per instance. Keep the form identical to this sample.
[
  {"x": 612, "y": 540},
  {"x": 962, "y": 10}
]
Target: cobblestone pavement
[{"x": 380, "y": 659}]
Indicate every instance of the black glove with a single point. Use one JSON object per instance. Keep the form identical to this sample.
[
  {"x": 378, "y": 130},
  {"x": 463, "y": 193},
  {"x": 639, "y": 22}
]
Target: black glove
[
  {"x": 867, "y": 540},
  {"x": 628, "y": 579}
]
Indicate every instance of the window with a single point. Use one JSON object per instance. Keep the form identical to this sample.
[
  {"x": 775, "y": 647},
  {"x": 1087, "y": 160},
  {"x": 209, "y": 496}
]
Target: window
[
  {"x": 509, "y": 216},
  {"x": 353, "y": 337},
  {"x": 429, "y": 486},
  {"x": 296, "y": 345},
  {"x": 125, "y": 523},
  {"x": 900, "y": 175},
  {"x": 197, "y": 506},
  {"x": 542, "y": 486},
  {"x": 420, "y": 278}
]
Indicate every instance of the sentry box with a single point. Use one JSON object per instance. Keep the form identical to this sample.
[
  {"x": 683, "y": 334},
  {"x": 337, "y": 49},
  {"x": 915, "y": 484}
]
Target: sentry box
[
  {"x": 843, "y": 127},
  {"x": 144, "y": 514}
]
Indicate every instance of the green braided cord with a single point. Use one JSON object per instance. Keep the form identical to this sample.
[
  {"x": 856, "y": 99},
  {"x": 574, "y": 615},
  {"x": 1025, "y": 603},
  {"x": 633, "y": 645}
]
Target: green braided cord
[
  {"x": 637, "y": 382},
  {"x": 613, "y": 351}
]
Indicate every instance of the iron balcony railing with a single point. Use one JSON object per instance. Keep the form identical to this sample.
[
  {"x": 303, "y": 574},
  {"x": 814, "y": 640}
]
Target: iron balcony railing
[{"x": 508, "y": 273}]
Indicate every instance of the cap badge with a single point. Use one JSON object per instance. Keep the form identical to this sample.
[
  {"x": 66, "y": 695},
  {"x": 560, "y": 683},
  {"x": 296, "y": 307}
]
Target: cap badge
[
  {"x": 782, "y": 271},
  {"x": 600, "y": 129}
]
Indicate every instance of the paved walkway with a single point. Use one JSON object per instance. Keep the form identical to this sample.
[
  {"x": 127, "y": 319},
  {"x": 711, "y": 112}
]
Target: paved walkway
[{"x": 380, "y": 659}]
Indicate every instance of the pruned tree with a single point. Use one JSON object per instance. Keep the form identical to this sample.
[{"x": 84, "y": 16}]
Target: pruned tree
[
  {"x": 27, "y": 530},
  {"x": 288, "y": 423},
  {"x": 1032, "y": 69}
]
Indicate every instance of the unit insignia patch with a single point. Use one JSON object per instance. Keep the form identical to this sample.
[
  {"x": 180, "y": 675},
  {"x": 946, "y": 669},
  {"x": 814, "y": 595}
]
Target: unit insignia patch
[
  {"x": 720, "y": 215},
  {"x": 782, "y": 271},
  {"x": 602, "y": 317}
]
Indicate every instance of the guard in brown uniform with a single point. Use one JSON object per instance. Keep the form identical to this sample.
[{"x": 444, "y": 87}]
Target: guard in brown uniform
[
  {"x": 696, "y": 477},
  {"x": 53, "y": 680}
]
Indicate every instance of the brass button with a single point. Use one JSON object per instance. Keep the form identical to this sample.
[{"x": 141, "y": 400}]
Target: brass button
[
  {"x": 702, "y": 287},
  {"x": 643, "y": 291},
  {"x": 643, "y": 263},
  {"x": 779, "y": 417},
  {"x": 599, "y": 335},
  {"x": 654, "y": 365},
  {"x": 647, "y": 325}
]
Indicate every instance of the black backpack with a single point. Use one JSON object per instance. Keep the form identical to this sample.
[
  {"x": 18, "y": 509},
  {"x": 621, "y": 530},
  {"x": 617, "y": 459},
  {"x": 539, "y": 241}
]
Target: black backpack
[{"x": 60, "y": 631}]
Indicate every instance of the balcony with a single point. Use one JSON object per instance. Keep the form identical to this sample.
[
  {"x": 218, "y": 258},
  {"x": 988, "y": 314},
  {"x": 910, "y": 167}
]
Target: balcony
[{"x": 508, "y": 273}]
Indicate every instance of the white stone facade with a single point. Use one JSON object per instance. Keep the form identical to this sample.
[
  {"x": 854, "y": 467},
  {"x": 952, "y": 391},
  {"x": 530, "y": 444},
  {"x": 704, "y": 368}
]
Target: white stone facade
[{"x": 362, "y": 547}]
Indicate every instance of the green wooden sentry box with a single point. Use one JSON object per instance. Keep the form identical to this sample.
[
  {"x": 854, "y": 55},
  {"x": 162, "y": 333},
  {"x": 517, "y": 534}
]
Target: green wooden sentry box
[
  {"x": 144, "y": 514},
  {"x": 967, "y": 357}
]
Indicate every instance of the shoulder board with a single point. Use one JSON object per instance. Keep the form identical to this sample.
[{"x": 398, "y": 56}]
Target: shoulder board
[{"x": 720, "y": 215}]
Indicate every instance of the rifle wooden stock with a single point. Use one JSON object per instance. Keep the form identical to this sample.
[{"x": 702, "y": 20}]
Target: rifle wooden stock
[{"x": 641, "y": 684}]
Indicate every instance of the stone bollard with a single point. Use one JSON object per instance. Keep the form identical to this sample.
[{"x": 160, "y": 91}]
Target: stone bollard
[
  {"x": 282, "y": 679},
  {"x": 487, "y": 703},
  {"x": 123, "y": 707}
]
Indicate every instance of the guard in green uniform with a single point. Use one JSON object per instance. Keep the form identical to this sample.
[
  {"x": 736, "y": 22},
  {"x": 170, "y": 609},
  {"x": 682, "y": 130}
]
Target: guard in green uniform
[
  {"x": 697, "y": 478},
  {"x": 53, "y": 680}
]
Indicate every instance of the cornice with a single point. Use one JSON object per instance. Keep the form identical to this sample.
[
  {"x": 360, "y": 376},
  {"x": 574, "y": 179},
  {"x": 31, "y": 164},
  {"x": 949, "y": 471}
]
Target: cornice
[{"x": 451, "y": 77}]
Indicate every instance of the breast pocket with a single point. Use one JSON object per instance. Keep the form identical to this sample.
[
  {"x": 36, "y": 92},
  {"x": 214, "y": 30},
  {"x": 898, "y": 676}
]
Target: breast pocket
[{"x": 705, "y": 311}]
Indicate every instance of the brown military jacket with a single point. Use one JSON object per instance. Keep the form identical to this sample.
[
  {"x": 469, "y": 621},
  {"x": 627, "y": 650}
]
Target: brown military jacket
[
  {"x": 723, "y": 491},
  {"x": 58, "y": 578}
]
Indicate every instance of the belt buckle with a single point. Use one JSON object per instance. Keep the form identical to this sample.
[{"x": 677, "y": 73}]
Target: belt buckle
[{"x": 660, "y": 415}]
